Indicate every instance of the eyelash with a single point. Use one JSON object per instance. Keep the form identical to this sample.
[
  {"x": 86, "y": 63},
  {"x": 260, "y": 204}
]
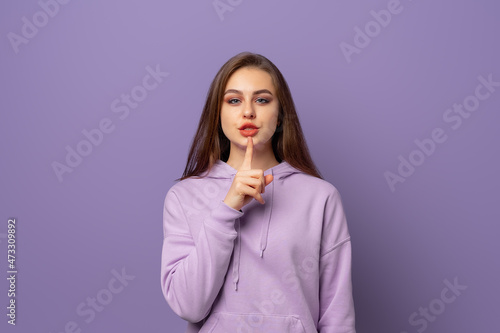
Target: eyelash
[{"x": 265, "y": 101}]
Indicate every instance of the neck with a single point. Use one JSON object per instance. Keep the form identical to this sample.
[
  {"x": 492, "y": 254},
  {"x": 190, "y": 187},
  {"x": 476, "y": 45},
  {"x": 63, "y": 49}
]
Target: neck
[{"x": 263, "y": 157}]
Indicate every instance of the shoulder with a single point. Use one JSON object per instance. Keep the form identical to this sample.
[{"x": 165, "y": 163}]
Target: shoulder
[
  {"x": 185, "y": 186},
  {"x": 320, "y": 186},
  {"x": 196, "y": 191},
  {"x": 181, "y": 185}
]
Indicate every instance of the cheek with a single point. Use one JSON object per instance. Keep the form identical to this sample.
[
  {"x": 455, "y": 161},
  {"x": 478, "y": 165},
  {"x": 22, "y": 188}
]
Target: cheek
[
  {"x": 226, "y": 121},
  {"x": 273, "y": 119},
  {"x": 271, "y": 122}
]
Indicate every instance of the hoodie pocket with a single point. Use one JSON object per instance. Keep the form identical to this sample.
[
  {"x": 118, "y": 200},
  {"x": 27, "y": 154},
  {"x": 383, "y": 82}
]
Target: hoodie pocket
[{"x": 220, "y": 322}]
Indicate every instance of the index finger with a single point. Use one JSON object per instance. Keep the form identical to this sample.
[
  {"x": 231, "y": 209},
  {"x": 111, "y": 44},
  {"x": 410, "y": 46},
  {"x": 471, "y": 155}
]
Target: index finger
[{"x": 247, "y": 161}]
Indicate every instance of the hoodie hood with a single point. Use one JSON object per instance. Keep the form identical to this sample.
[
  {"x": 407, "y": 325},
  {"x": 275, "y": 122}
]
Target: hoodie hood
[{"x": 222, "y": 170}]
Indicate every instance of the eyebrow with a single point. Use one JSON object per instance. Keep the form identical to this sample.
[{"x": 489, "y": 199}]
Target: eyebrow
[{"x": 262, "y": 91}]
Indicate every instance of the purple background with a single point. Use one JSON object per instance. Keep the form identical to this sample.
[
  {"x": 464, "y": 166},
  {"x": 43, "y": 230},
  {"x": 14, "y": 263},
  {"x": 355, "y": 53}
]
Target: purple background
[{"x": 358, "y": 117}]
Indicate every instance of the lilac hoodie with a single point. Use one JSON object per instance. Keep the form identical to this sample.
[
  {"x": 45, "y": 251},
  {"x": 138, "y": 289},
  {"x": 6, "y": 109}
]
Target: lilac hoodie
[{"x": 282, "y": 266}]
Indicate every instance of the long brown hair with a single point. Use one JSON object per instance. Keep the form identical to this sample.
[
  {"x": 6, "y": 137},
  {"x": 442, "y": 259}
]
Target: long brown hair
[{"x": 210, "y": 143}]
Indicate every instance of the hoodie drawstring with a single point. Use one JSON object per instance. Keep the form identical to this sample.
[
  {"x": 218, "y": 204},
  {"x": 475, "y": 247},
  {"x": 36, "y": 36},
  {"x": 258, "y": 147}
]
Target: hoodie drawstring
[
  {"x": 267, "y": 219},
  {"x": 263, "y": 236},
  {"x": 237, "y": 255}
]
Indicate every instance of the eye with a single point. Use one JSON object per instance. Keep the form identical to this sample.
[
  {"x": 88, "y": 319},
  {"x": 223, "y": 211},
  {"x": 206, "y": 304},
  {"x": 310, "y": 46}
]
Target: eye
[
  {"x": 233, "y": 100},
  {"x": 261, "y": 100}
]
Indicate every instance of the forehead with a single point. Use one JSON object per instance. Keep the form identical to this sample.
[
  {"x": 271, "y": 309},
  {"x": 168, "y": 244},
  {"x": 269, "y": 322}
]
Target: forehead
[{"x": 250, "y": 79}]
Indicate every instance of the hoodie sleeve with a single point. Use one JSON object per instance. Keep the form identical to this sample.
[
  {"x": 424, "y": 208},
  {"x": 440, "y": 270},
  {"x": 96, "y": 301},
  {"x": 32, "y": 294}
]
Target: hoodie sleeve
[
  {"x": 193, "y": 267},
  {"x": 336, "y": 300}
]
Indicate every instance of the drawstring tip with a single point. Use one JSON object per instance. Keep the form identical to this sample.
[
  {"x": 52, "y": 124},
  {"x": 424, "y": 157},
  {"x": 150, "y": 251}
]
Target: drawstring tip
[
  {"x": 261, "y": 253},
  {"x": 235, "y": 286}
]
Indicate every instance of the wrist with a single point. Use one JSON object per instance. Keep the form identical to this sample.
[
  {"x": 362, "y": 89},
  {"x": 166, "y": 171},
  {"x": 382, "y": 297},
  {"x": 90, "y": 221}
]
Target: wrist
[{"x": 233, "y": 207}]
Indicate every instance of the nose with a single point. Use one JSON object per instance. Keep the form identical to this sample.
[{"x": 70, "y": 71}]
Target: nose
[{"x": 248, "y": 111}]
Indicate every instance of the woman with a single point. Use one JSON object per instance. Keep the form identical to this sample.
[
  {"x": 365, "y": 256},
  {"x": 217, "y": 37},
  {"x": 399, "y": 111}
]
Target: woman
[{"x": 279, "y": 263}]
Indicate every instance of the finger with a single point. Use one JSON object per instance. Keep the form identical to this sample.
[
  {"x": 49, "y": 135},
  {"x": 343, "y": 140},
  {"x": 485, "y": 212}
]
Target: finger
[
  {"x": 260, "y": 199},
  {"x": 253, "y": 183},
  {"x": 246, "y": 176},
  {"x": 257, "y": 196},
  {"x": 247, "y": 161},
  {"x": 266, "y": 180},
  {"x": 269, "y": 179},
  {"x": 259, "y": 175},
  {"x": 253, "y": 192}
]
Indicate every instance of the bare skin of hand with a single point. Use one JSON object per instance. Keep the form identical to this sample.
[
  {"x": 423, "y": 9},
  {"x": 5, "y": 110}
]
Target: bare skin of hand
[{"x": 248, "y": 183}]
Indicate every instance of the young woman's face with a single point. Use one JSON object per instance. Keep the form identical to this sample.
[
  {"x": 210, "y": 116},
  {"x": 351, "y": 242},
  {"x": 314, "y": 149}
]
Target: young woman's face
[{"x": 250, "y": 97}]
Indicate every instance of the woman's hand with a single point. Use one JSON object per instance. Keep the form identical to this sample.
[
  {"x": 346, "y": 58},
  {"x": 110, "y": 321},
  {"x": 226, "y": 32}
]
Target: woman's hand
[{"x": 248, "y": 183}]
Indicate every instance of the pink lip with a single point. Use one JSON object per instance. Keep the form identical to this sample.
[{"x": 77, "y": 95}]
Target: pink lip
[
  {"x": 249, "y": 132},
  {"x": 247, "y": 125}
]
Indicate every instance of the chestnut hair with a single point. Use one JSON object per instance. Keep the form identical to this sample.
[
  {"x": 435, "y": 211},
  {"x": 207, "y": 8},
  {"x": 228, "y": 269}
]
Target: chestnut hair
[{"x": 210, "y": 143}]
